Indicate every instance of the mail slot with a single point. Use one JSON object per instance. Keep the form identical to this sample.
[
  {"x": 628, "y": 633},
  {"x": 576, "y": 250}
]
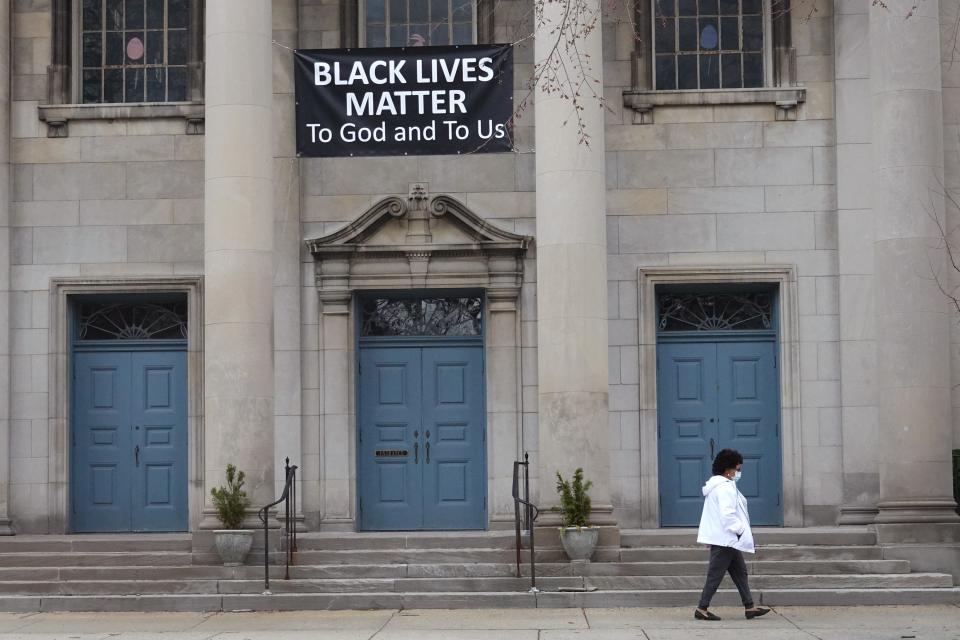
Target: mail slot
[{"x": 391, "y": 453}]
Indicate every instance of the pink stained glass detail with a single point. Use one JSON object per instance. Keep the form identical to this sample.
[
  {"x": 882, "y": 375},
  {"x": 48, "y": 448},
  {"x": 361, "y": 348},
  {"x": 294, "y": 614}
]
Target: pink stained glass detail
[{"x": 135, "y": 48}]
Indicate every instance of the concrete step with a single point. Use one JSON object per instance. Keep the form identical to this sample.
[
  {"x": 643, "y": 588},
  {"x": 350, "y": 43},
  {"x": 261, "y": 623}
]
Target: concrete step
[
  {"x": 96, "y": 543},
  {"x": 448, "y": 570},
  {"x": 812, "y": 536},
  {"x": 470, "y": 585},
  {"x": 407, "y": 556},
  {"x": 769, "y": 552},
  {"x": 68, "y": 559},
  {"x": 312, "y": 601},
  {"x": 317, "y": 541}
]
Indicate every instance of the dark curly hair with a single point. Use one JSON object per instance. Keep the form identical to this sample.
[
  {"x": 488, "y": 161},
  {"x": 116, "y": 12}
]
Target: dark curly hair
[{"x": 726, "y": 459}]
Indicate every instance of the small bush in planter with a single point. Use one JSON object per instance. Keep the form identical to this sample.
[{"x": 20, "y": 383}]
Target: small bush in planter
[
  {"x": 574, "y": 500},
  {"x": 579, "y": 539},
  {"x": 231, "y": 501},
  {"x": 233, "y": 543}
]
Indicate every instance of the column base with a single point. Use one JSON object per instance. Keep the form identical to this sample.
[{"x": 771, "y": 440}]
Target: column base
[
  {"x": 857, "y": 515},
  {"x": 600, "y": 516},
  {"x": 923, "y": 510},
  {"x": 209, "y": 520},
  {"x": 6, "y": 527}
]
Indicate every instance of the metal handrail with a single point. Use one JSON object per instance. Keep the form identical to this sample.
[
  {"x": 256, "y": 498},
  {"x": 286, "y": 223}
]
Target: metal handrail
[
  {"x": 530, "y": 515},
  {"x": 289, "y": 530}
]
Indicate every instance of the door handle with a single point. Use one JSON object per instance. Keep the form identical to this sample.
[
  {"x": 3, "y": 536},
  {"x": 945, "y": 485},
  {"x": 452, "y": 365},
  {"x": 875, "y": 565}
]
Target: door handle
[
  {"x": 711, "y": 448},
  {"x": 416, "y": 448},
  {"x": 428, "y": 452},
  {"x": 136, "y": 454}
]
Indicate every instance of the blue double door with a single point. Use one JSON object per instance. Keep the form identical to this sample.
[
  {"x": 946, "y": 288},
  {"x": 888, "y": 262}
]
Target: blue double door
[
  {"x": 422, "y": 462},
  {"x": 129, "y": 441},
  {"x": 713, "y": 396}
]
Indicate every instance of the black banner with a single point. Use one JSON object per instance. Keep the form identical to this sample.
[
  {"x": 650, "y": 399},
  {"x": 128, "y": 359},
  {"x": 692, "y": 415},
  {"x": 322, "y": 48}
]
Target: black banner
[{"x": 404, "y": 101}]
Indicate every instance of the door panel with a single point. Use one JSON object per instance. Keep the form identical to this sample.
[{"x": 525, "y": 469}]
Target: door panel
[
  {"x": 453, "y": 427},
  {"x": 102, "y": 456},
  {"x": 389, "y": 419},
  {"x": 687, "y": 402},
  {"x": 159, "y": 421},
  {"x": 749, "y": 413}
]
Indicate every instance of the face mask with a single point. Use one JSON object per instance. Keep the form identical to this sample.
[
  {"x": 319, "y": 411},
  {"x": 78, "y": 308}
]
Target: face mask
[{"x": 737, "y": 476}]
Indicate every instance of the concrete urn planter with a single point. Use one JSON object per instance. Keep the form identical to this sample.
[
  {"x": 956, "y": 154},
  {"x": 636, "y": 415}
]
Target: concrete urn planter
[
  {"x": 233, "y": 545},
  {"x": 579, "y": 543}
]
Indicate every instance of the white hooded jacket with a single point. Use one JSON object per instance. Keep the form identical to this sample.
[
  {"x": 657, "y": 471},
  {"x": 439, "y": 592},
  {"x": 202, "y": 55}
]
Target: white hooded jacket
[{"x": 725, "y": 521}]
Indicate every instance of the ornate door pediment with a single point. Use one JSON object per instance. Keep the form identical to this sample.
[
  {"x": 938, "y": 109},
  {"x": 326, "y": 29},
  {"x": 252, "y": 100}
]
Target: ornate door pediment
[{"x": 415, "y": 243}]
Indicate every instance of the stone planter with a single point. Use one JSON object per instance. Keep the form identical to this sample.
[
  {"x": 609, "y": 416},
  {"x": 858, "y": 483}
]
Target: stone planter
[
  {"x": 579, "y": 543},
  {"x": 233, "y": 545}
]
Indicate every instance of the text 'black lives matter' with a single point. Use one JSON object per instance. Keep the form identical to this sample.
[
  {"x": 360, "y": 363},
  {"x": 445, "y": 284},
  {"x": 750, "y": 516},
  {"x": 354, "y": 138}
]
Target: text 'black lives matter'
[{"x": 404, "y": 101}]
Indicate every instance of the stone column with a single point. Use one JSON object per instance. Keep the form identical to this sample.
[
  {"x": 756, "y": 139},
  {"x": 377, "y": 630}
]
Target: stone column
[
  {"x": 858, "y": 346},
  {"x": 238, "y": 247},
  {"x": 913, "y": 376},
  {"x": 5, "y": 269},
  {"x": 571, "y": 257}
]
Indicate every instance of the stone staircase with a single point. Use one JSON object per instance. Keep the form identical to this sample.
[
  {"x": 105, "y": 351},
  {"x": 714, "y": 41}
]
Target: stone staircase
[{"x": 449, "y": 570}]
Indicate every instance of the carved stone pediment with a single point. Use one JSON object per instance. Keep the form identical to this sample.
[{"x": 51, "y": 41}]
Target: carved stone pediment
[{"x": 418, "y": 242}]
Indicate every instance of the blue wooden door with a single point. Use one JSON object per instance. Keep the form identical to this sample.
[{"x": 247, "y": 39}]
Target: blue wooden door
[
  {"x": 421, "y": 438},
  {"x": 158, "y": 413},
  {"x": 391, "y": 493},
  {"x": 687, "y": 428},
  {"x": 454, "y": 467},
  {"x": 749, "y": 420},
  {"x": 713, "y": 396},
  {"x": 101, "y": 442},
  {"x": 129, "y": 441}
]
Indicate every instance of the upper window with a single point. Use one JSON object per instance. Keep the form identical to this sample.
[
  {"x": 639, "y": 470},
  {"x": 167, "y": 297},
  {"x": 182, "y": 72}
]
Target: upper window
[
  {"x": 134, "y": 50},
  {"x": 709, "y": 44},
  {"x": 414, "y": 23}
]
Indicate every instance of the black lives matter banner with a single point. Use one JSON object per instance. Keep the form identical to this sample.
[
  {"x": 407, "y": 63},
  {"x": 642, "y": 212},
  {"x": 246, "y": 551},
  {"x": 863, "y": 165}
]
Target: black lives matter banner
[{"x": 404, "y": 101}]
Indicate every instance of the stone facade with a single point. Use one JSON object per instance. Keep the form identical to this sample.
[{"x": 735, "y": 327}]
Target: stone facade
[{"x": 730, "y": 186}]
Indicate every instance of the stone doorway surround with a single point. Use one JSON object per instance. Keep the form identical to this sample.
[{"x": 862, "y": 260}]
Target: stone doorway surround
[
  {"x": 420, "y": 242},
  {"x": 59, "y": 409},
  {"x": 784, "y": 276}
]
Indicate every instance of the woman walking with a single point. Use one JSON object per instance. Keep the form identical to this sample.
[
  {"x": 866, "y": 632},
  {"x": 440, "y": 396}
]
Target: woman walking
[{"x": 725, "y": 526}]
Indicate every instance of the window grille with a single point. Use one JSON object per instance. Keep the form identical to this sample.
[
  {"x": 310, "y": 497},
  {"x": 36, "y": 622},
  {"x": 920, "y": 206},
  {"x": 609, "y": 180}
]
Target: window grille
[
  {"x": 421, "y": 316},
  {"x": 134, "y": 51},
  {"x": 708, "y": 44},
  {"x": 714, "y": 312},
  {"x": 132, "y": 321},
  {"x": 411, "y": 23}
]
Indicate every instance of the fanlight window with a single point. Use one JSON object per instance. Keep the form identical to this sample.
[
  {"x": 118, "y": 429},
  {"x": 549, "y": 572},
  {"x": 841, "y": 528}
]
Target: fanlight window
[
  {"x": 127, "y": 321},
  {"x": 421, "y": 316},
  {"x": 714, "y": 312}
]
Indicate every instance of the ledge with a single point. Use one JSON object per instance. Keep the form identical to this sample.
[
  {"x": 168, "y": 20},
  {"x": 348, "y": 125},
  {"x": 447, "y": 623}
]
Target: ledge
[
  {"x": 643, "y": 102},
  {"x": 58, "y": 116}
]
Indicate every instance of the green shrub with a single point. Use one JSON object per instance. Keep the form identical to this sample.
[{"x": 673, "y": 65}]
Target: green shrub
[
  {"x": 231, "y": 501},
  {"x": 574, "y": 500}
]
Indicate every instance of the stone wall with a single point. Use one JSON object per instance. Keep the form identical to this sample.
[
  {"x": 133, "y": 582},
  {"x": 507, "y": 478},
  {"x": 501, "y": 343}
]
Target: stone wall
[
  {"x": 700, "y": 186},
  {"x": 115, "y": 198}
]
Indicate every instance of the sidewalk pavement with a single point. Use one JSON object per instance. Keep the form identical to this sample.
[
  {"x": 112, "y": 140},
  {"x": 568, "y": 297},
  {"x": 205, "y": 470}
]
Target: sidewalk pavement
[{"x": 940, "y": 622}]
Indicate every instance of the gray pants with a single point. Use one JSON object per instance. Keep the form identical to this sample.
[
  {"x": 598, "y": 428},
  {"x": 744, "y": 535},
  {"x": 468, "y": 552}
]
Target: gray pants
[{"x": 722, "y": 560}]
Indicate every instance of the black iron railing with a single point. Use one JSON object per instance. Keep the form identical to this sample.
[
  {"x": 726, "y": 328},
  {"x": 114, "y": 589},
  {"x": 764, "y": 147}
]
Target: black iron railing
[
  {"x": 530, "y": 514},
  {"x": 288, "y": 533}
]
